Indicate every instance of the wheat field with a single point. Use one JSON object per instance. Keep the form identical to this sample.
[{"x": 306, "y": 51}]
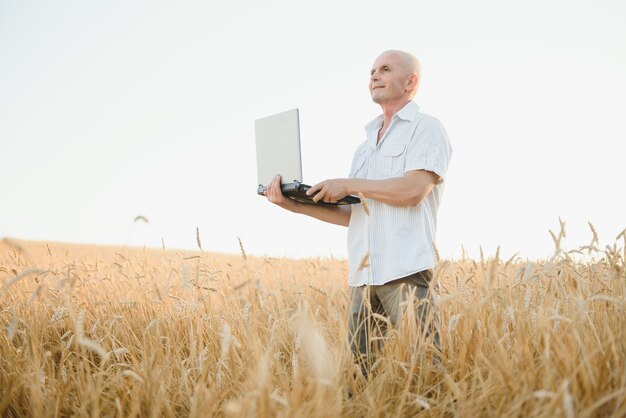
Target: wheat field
[{"x": 122, "y": 332}]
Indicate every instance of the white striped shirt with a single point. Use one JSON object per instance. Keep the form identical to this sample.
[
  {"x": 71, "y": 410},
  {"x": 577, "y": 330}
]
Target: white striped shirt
[{"x": 398, "y": 239}]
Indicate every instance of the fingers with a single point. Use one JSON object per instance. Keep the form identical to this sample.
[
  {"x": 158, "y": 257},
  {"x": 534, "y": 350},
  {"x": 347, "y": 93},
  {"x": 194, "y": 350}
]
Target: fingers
[
  {"x": 322, "y": 192},
  {"x": 318, "y": 192},
  {"x": 273, "y": 184},
  {"x": 325, "y": 191},
  {"x": 314, "y": 188},
  {"x": 324, "y": 196},
  {"x": 273, "y": 192}
]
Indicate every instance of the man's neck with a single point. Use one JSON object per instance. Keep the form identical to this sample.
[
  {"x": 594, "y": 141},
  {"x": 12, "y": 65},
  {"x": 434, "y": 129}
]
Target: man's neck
[{"x": 390, "y": 109}]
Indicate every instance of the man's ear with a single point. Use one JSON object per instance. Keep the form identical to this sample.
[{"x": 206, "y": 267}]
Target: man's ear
[{"x": 412, "y": 82}]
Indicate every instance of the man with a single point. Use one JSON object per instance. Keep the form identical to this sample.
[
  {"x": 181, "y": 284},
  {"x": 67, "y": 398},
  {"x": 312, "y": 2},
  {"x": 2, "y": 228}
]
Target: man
[{"x": 399, "y": 169}]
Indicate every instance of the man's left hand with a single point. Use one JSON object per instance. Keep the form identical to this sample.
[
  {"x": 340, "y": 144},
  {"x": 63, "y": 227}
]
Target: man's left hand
[{"x": 329, "y": 191}]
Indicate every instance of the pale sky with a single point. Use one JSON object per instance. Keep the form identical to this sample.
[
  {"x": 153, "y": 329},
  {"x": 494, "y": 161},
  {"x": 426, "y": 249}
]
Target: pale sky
[{"x": 109, "y": 110}]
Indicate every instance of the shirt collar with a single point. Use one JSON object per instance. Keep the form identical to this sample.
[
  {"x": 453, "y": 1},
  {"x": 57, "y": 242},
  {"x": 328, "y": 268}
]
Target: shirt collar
[
  {"x": 408, "y": 112},
  {"x": 376, "y": 124}
]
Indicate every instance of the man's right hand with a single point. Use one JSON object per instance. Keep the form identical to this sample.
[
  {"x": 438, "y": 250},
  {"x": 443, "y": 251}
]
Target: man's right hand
[
  {"x": 275, "y": 195},
  {"x": 335, "y": 215}
]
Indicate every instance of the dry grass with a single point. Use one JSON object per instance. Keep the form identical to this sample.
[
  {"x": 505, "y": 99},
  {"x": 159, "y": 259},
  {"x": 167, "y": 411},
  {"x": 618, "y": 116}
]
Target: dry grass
[{"x": 95, "y": 331}]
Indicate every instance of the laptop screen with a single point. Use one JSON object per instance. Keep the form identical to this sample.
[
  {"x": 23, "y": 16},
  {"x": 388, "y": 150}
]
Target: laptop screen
[{"x": 278, "y": 147}]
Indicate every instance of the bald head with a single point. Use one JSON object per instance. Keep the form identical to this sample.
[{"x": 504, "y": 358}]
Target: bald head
[
  {"x": 410, "y": 61},
  {"x": 395, "y": 77}
]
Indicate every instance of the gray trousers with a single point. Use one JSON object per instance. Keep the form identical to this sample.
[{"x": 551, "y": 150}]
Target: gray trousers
[{"x": 391, "y": 301}]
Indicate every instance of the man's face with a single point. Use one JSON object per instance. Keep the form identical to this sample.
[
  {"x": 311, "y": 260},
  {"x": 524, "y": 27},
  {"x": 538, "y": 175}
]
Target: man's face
[{"x": 389, "y": 79}]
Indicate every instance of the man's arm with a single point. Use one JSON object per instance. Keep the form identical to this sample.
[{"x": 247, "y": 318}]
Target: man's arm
[
  {"x": 338, "y": 215},
  {"x": 408, "y": 190}
]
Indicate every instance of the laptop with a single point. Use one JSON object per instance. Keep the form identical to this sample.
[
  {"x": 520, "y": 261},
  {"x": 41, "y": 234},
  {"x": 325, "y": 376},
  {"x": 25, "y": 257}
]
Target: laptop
[{"x": 278, "y": 152}]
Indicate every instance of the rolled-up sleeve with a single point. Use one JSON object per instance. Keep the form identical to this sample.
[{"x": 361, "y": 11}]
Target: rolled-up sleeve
[{"x": 429, "y": 148}]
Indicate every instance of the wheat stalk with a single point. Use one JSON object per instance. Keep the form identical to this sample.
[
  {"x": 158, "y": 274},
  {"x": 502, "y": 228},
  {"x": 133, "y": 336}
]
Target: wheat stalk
[
  {"x": 243, "y": 252},
  {"x": 364, "y": 262},
  {"x": 198, "y": 238},
  {"x": 20, "y": 276},
  {"x": 95, "y": 347},
  {"x": 364, "y": 203}
]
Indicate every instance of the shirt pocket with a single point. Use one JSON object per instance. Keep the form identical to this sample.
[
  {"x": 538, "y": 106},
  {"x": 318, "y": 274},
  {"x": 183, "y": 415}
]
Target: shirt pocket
[
  {"x": 392, "y": 159},
  {"x": 358, "y": 169}
]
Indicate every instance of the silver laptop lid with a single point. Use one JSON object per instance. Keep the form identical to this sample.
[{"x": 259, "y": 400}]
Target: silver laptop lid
[{"x": 278, "y": 147}]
